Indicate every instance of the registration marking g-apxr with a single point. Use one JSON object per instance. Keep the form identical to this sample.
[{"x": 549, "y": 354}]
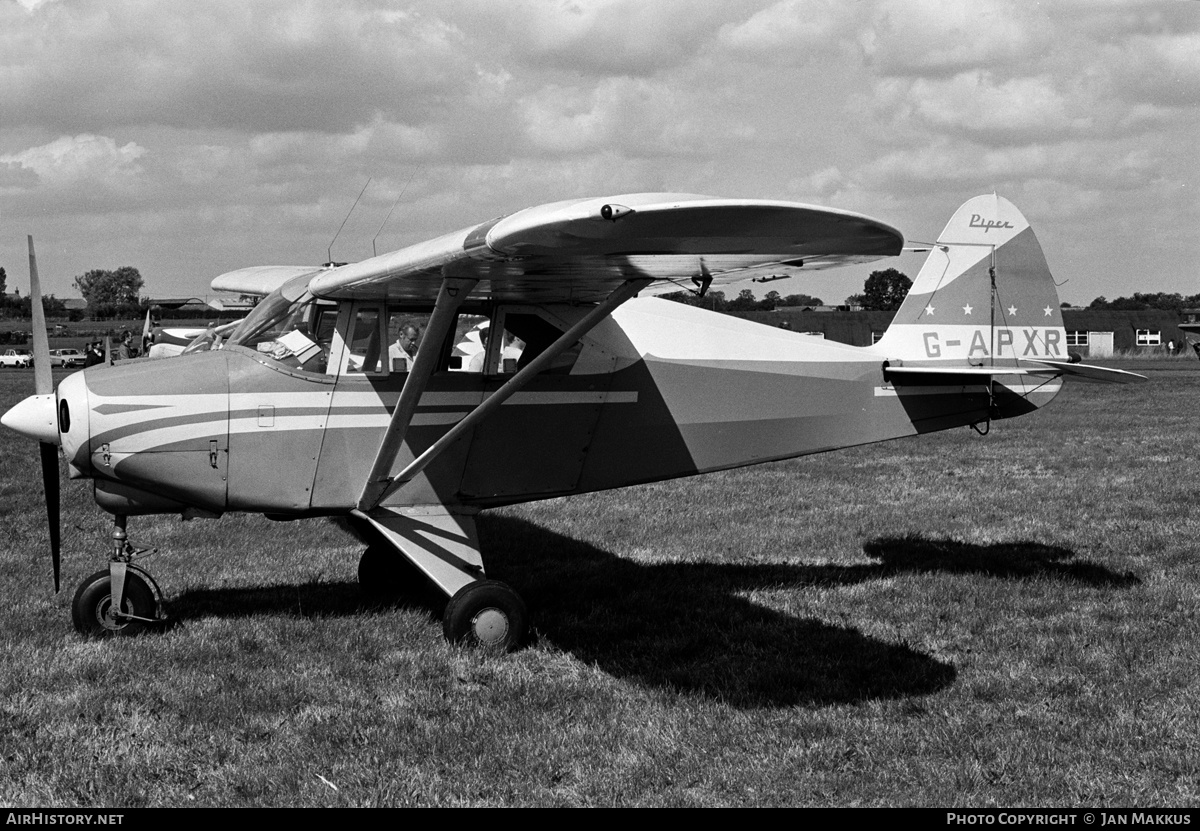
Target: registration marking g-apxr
[{"x": 1038, "y": 342}]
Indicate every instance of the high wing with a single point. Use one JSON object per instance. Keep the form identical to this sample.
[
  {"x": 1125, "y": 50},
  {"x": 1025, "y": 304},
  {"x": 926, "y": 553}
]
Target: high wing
[
  {"x": 260, "y": 280},
  {"x": 582, "y": 250}
]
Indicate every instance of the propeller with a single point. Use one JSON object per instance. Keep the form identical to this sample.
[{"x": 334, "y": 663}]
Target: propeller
[{"x": 43, "y": 385}]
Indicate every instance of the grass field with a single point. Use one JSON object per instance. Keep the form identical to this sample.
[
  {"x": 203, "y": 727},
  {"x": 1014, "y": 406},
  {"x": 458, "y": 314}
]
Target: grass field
[{"x": 954, "y": 620}]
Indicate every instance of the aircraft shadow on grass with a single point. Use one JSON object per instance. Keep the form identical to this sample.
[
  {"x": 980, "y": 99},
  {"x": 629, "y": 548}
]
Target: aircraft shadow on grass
[
  {"x": 686, "y": 626},
  {"x": 1009, "y": 560}
]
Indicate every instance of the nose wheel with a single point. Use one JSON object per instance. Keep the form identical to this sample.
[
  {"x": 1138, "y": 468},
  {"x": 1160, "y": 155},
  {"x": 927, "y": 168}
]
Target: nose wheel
[
  {"x": 94, "y": 615},
  {"x": 122, "y": 599},
  {"x": 487, "y": 614}
]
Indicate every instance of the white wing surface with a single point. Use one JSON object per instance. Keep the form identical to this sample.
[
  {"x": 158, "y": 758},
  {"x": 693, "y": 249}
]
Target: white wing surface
[
  {"x": 580, "y": 250},
  {"x": 260, "y": 280}
]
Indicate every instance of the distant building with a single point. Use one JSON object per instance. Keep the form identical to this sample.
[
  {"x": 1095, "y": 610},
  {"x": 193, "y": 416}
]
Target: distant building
[{"x": 1094, "y": 333}]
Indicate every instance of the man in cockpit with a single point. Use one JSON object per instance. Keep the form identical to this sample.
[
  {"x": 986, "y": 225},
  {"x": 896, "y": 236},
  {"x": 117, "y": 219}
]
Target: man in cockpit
[{"x": 404, "y": 350}]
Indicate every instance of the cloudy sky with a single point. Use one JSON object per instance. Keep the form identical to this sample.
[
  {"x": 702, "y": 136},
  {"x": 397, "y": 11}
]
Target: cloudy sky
[{"x": 188, "y": 139}]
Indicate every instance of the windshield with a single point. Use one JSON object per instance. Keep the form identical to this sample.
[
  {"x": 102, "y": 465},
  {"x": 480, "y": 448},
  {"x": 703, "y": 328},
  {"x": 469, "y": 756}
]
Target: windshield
[
  {"x": 281, "y": 327},
  {"x": 277, "y": 314}
]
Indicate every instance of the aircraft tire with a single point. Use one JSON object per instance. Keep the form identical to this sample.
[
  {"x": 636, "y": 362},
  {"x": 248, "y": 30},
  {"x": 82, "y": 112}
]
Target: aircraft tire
[
  {"x": 385, "y": 575},
  {"x": 93, "y": 601},
  {"x": 486, "y": 614}
]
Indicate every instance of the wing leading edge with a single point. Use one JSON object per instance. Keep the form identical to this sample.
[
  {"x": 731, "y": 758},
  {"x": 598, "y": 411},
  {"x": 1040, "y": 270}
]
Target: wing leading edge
[{"x": 581, "y": 250}]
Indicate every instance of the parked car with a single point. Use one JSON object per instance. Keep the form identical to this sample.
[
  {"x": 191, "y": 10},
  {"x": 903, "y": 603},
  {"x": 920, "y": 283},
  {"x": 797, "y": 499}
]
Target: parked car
[
  {"x": 16, "y": 358},
  {"x": 66, "y": 357}
]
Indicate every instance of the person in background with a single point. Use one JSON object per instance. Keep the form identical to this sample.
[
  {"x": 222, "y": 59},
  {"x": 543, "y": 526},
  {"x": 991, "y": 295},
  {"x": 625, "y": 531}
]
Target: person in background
[{"x": 93, "y": 354}]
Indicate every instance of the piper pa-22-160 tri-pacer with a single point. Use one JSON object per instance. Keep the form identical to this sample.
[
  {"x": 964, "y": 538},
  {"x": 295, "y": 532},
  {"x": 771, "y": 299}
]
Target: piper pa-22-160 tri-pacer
[{"x": 579, "y": 385}]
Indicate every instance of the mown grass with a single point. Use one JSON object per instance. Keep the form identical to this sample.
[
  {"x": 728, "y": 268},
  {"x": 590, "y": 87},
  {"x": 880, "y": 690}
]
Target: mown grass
[{"x": 949, "y": 620}]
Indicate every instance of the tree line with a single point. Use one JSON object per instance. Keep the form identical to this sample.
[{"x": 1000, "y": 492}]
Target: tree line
[
  {"x": 1160, "y": 301},
  {"x": 109, "y": 295},
  {"x": 883, "y": 291},
  {"x": 744, "y": 302}
]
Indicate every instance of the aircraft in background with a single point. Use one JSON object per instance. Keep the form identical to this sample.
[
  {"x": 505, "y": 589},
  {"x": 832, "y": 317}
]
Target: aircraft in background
[
  {"x": 304, "y": 411},
  {"x": 1191, "y": 334}
]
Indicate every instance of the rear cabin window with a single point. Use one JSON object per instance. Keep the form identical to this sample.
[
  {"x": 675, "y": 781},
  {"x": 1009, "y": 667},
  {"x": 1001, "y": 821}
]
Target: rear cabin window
[{"x": 538, "y": 334}]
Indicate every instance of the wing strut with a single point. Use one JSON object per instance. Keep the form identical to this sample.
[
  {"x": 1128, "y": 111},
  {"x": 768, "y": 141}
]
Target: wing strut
[
  {"x": 568, "y": 339},
  {"x": 453, "y": 292}
]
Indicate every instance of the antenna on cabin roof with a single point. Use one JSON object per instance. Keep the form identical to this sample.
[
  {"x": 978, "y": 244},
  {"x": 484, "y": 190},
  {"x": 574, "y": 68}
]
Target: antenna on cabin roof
[
  {"x": 329, "y": 250},
  {"x": 389, "y": 213}
]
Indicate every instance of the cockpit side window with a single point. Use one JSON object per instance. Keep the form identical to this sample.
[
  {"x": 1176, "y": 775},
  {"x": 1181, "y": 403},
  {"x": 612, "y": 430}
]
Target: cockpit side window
[{"x": 488, "y": 347}]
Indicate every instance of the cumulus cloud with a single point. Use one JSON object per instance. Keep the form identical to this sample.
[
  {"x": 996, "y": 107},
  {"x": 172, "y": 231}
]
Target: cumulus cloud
[
  {"x": 976, "y": 104},
  {"x": 602, "y": 37},
  {"x": 791, "y": 31},
  {"x": 818, "y": 185},
  {"x": 83, "y": 160},
  {"x": 914, "y": 37},
  {"x": 636, "y": 116},
  {"x": 264, "y": 65},
  {"x": 950, "y": 164},
  {"x": 1163, "y": 69}
]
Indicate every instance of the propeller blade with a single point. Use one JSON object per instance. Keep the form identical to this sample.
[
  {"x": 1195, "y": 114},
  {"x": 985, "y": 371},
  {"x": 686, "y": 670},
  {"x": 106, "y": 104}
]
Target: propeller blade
[
  {"x": 43, "y": 383},
  {"x": 108, "y": 350},
  {"x": 49, "y": 454}
]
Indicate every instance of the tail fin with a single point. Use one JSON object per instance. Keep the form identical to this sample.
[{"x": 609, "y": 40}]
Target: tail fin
[
  {"x": 984, "y": 305},
  {"x": 983, "y": 298}
]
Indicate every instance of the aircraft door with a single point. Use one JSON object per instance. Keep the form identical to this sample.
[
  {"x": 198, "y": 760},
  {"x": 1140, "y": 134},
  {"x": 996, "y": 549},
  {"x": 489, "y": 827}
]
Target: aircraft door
[
  {"x": 536, "y": 442},
  {"x": 373, "y": 350}
]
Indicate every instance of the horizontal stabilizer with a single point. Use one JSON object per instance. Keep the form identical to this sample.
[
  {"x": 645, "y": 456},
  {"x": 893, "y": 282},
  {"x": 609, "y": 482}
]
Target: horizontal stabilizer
[
  {"x": 1085, "y": 372},
  {"x": 949, "y": 374}
]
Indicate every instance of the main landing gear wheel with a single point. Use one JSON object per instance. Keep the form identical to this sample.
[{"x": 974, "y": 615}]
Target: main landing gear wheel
[
  {"x": 487, "y": 614},
  {"x": 385, "y": 575},
  {"x": 92, "y": 611}
]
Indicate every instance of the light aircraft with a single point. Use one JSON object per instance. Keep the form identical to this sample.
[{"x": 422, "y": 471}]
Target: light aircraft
[{"x": 302, "y": 412}]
